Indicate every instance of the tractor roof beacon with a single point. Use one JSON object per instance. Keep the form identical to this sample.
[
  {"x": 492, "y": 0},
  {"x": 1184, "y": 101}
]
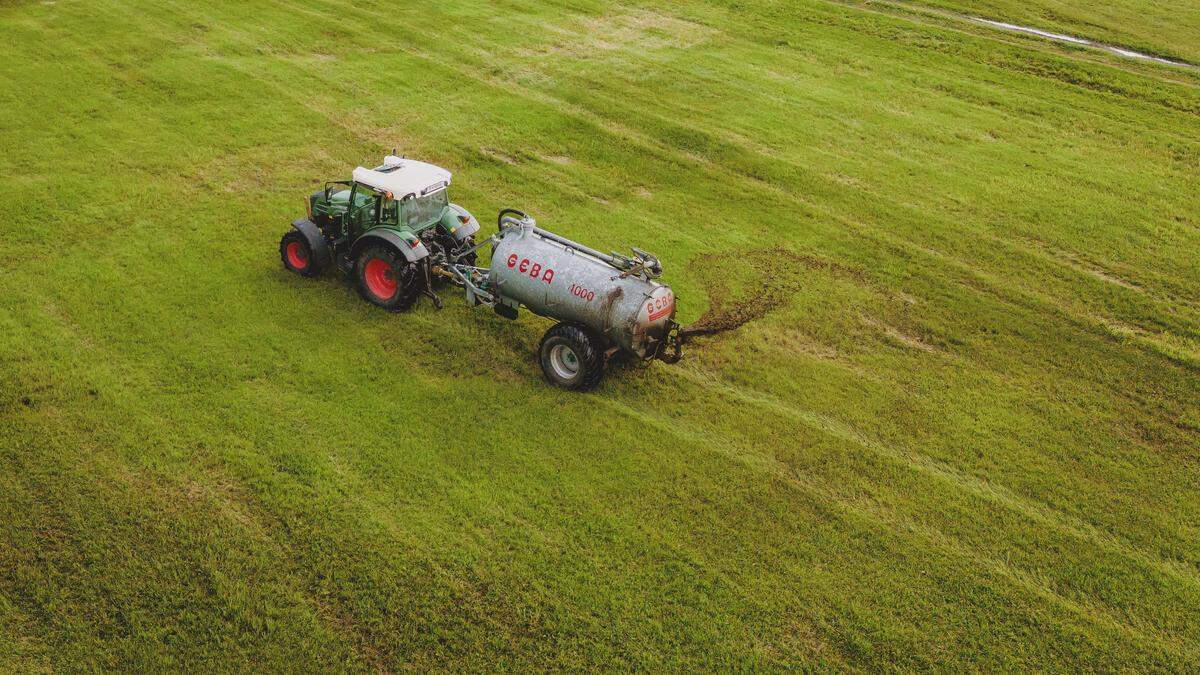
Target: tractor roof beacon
[{"x": 395, "y": 232}]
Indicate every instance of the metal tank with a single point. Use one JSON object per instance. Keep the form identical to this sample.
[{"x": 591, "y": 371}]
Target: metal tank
[{"x": 614, "y": 295}]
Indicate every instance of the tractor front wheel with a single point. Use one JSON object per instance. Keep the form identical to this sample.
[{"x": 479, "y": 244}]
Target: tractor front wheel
[
  {"x": 297, "y": 255},
  {"x": 572, "y": 357},
  {"x": 385, "y": 278}
]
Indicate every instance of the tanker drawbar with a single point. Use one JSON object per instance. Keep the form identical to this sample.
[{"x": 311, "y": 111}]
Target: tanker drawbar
[{"x": 605, "y": 303}]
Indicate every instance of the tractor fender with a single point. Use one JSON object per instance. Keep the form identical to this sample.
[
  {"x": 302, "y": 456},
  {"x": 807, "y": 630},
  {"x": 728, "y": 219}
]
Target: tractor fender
[
  {"x": 406, "y": 243},
  {"x": 452, "y": 223},
  {"x": 316, "y": 240}
]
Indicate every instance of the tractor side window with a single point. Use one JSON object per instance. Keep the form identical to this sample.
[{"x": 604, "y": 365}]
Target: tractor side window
[
  {"x": 365, "y": 202},
  {"x": 391, "y": 212},
  {"x": 364, "y": 198},
  {"x": 423, "y": 210}
]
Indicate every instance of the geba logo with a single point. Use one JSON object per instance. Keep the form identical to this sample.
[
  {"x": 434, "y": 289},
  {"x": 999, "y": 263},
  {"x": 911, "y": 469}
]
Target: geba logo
[
  {"x": 533, "y": 269},
  {"x": 663, "y": 305}
]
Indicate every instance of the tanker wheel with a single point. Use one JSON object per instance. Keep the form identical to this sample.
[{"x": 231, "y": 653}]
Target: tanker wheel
[
  {"x": 385, "y": 278},
  {"x": 297, "y": 255},
  {"x": 572, "y": 357}
]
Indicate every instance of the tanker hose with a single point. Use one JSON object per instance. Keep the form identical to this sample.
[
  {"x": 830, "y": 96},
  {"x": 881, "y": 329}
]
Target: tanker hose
[{"x": 505, "y": 212}]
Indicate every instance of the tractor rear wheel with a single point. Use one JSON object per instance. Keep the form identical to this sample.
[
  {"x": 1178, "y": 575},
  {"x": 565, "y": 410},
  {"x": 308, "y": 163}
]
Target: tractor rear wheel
[
  {"x": 297, "y": 255},
  {"x": 572, "y": 357},
  {"x": 387, "y": 279}
]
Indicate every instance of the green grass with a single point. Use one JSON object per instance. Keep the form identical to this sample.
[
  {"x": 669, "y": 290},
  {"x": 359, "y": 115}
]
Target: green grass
[
  {"x": 1170, "y": 28},
  {"x": 967, "y": 442}
]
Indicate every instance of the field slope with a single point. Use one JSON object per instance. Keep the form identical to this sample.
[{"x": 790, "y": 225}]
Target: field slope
[{"x": 967, "y": 439}]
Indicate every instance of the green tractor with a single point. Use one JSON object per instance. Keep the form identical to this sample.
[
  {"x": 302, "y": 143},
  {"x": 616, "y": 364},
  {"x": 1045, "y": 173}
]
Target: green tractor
[{"x": 387, "y": 228}]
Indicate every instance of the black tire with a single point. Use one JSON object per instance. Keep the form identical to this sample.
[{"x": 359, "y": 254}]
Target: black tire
[
  {"x": 297, "y": 255},
  {"x": 572, "y": 357},
  {"x": 385, "y": 278}
]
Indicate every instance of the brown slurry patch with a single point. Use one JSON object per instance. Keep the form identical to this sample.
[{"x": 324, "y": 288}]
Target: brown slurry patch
[{"x": 780, "y": 273}]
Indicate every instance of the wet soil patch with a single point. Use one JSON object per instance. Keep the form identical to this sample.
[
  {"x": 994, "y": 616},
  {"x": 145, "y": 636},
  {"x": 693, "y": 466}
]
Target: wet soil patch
[{"x": 774, "y": 275}]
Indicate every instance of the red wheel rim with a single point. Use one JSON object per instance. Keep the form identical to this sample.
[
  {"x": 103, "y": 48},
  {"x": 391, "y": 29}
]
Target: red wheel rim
[
  {"x": 297, "y": 255},
  {"x": 380, "y": 280}
]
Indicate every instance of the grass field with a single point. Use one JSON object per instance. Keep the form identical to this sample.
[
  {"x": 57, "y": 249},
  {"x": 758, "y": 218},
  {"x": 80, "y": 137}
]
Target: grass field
[
  {"x": 968, "y": 441},
  {"x": 1170, "y": 28}
]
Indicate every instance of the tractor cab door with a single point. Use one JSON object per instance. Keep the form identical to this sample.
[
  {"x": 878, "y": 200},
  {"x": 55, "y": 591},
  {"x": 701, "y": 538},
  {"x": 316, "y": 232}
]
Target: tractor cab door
[{"x": 362, "y": 212}]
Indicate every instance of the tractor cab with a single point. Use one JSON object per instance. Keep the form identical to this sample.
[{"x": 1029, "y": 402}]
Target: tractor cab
[
  {"x": 403, "y": 193},
  {"x": 411, "y": 194}
]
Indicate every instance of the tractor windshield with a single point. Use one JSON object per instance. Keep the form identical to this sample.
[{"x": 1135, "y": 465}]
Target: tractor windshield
[{"x": 424, "y": 209}]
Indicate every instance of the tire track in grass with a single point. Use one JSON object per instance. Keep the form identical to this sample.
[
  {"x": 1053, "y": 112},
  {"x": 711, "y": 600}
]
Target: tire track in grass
[
  {"x": 1165, "y": 296},
  {"x": 962, "y": 24},
  {"x": 1032, "y": 510},
  {"x": 998, "y": 288},
  {"x": 1100, "y": 611},
  {"x": 1127, "y": 52},
  {"x": 1097, "y": 613},
  {"x": 1162, "y": 298},
  {"x": 736, "y": 139}
]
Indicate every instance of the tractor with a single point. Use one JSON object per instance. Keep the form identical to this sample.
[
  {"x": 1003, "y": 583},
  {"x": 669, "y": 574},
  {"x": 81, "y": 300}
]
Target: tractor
[{"x": 386, "y": 228}]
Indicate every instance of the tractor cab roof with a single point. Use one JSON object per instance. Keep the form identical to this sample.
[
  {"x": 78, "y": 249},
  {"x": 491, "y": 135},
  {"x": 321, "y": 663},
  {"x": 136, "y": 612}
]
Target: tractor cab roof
[{"x": 403, "y": 177}]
